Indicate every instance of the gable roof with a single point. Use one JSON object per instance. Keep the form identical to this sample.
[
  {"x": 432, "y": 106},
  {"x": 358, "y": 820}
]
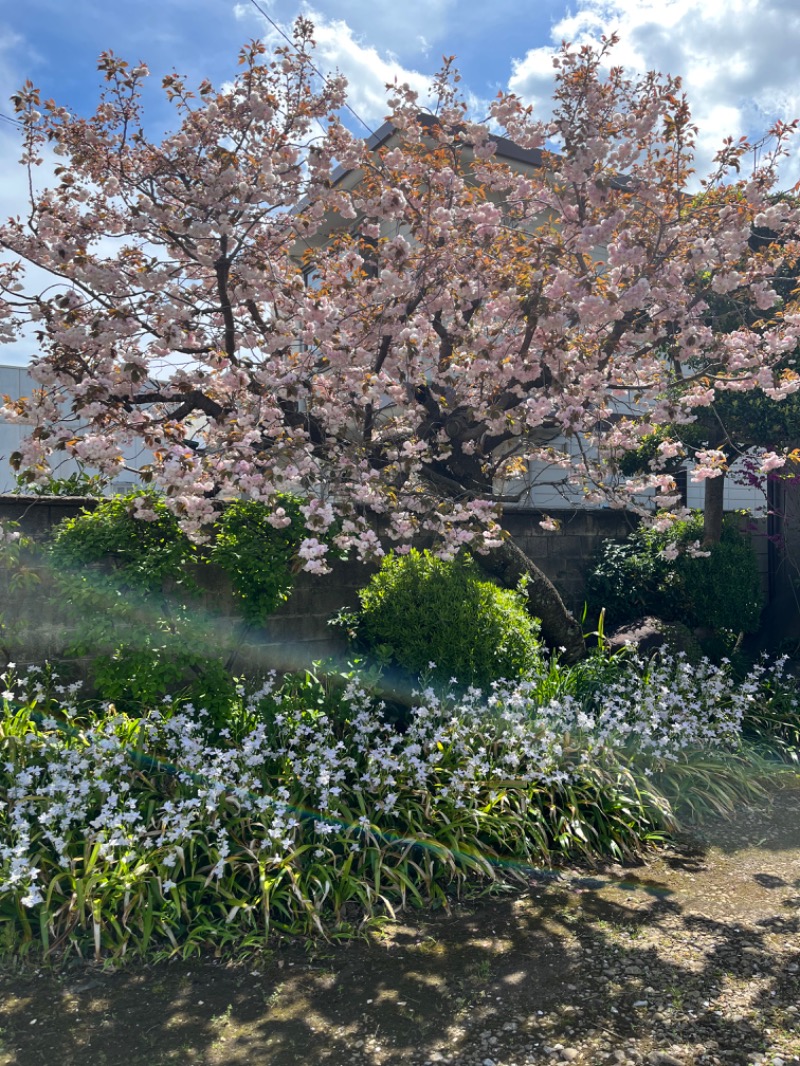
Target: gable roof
[{"x": 505, "y": 149}]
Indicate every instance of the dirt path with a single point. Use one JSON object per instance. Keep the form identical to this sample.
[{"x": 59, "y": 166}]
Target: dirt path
[{"x": 691, "y": 958}]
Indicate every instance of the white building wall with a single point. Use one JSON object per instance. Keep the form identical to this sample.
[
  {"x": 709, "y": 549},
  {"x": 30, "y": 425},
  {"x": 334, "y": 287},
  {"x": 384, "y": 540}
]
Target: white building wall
[
  {"x": 737, "y": 496},
  {"x": 547, "y": 490},
  {"x": 15, "y": 381}
]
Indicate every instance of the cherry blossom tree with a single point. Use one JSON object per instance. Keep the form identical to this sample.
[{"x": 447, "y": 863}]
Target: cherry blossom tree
[
  {"x": 397, "y": 331},
  {"x": 736, "y": 422}
]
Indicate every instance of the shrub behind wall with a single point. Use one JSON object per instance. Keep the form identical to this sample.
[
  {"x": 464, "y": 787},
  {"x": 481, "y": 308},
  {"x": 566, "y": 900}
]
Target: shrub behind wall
[
  {"x": 636, "y": 577},
  {"x": 136, "y": 604}
]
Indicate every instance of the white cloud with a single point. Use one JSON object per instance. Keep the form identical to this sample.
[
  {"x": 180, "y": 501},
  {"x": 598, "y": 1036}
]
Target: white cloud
[
  {"x": 406, "y": 30},
  {"x": 371, "y": 62},
  {"x": 366, "y": 69},
  {"x": 737, "y": 59},
  {"x": 13, "y": 176},
  {"x": 13, "y": 47},
  {"x": 397, "y": 27},
  {"x": 15, "y": 200}
]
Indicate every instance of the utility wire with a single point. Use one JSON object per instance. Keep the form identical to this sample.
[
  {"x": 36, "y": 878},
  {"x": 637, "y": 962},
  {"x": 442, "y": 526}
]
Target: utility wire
[{"x": 316, "y": 70}]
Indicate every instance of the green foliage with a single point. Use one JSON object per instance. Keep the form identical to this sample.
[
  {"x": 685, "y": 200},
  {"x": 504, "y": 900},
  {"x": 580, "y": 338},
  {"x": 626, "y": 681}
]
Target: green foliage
[
  {"x": 258, "y": 555},
  {"x": 310, "y": 814},
  {"x": 632, "y": 578},
  {"x": 748, "y": 419},
  {"x": 751, "y": 418},
  {"x": 702, "y": 785},
  {"x": 78, "y": 484},
  {"x": 638, "y": 459},
  {"x": 19, "y": 573},
  {"x": 722, "y": 591},
  {"x": 132, "y": 586},
  {"x": 584, "y": 680},
  {"x": 628, "y": 579},
  {"x": 419, "y": 610},
  {"x": 107, "y": 903},
  {"x": 137, "y": 553},
  {"x": 112, "y": 568},
  {"x": 772, "y": 722}
]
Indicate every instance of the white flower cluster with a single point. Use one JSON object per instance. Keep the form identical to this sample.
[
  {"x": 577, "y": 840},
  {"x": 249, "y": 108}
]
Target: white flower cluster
[
  {"x": 145, "y": 788},
  {"x": 8, "y": 535},
  {"x": 659, "y": 709}
]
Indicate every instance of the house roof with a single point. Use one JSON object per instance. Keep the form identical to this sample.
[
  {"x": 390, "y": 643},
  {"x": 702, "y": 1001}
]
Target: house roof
[{"x": 504, "y": 148}]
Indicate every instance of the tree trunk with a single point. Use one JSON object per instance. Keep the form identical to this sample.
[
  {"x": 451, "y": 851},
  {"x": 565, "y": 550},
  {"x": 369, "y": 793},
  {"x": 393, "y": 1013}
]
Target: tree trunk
[
  {"x": 712, "y": 509},
  {"x": 509, "y": 564}
]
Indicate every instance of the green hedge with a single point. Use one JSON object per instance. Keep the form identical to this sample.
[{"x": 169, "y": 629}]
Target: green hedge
[{"x": 430, "y": 616}]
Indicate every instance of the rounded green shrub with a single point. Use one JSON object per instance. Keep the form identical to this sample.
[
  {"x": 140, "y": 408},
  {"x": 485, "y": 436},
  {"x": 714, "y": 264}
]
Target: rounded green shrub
[
  {"x": 720, "y": 591},
  {"x": 428, "y": 615}
]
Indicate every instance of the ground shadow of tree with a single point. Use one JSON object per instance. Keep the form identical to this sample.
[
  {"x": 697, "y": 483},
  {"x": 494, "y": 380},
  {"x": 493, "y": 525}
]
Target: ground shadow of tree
[{"x": 591, "y": 963}]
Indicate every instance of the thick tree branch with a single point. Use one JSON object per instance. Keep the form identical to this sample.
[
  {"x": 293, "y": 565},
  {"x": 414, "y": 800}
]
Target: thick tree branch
[{"x": 222, "y": 269}]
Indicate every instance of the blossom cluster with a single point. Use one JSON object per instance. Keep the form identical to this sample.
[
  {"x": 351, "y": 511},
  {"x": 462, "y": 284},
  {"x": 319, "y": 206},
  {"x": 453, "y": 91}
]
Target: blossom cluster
[
  {"x": 8, "y": 535},
  {"x": 438, "y": 317}
]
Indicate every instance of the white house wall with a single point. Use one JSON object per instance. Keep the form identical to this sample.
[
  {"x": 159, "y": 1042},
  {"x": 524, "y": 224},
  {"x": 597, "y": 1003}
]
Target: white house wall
[{"x": 15, "y": 381}]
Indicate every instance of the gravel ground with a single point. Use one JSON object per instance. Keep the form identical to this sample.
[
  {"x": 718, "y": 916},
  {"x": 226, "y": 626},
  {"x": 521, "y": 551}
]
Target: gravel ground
[{"x": 693, "y": 957}]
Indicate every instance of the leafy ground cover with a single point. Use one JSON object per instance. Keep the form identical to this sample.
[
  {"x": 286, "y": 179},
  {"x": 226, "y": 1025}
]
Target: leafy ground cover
[{"x": 311, "y": 811}]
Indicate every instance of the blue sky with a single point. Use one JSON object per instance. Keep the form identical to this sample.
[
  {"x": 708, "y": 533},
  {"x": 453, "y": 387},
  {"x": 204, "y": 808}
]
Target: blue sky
[
  {"x": 56, "y": 43},
  {"x": 740, "y": 59}
]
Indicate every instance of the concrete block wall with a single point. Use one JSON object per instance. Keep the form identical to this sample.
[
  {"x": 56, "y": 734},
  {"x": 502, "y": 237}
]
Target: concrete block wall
[
  {"x": 564, "y": 556},
  {"x": 37, "y": 515},
  {"x": 298, "y": 633}
]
